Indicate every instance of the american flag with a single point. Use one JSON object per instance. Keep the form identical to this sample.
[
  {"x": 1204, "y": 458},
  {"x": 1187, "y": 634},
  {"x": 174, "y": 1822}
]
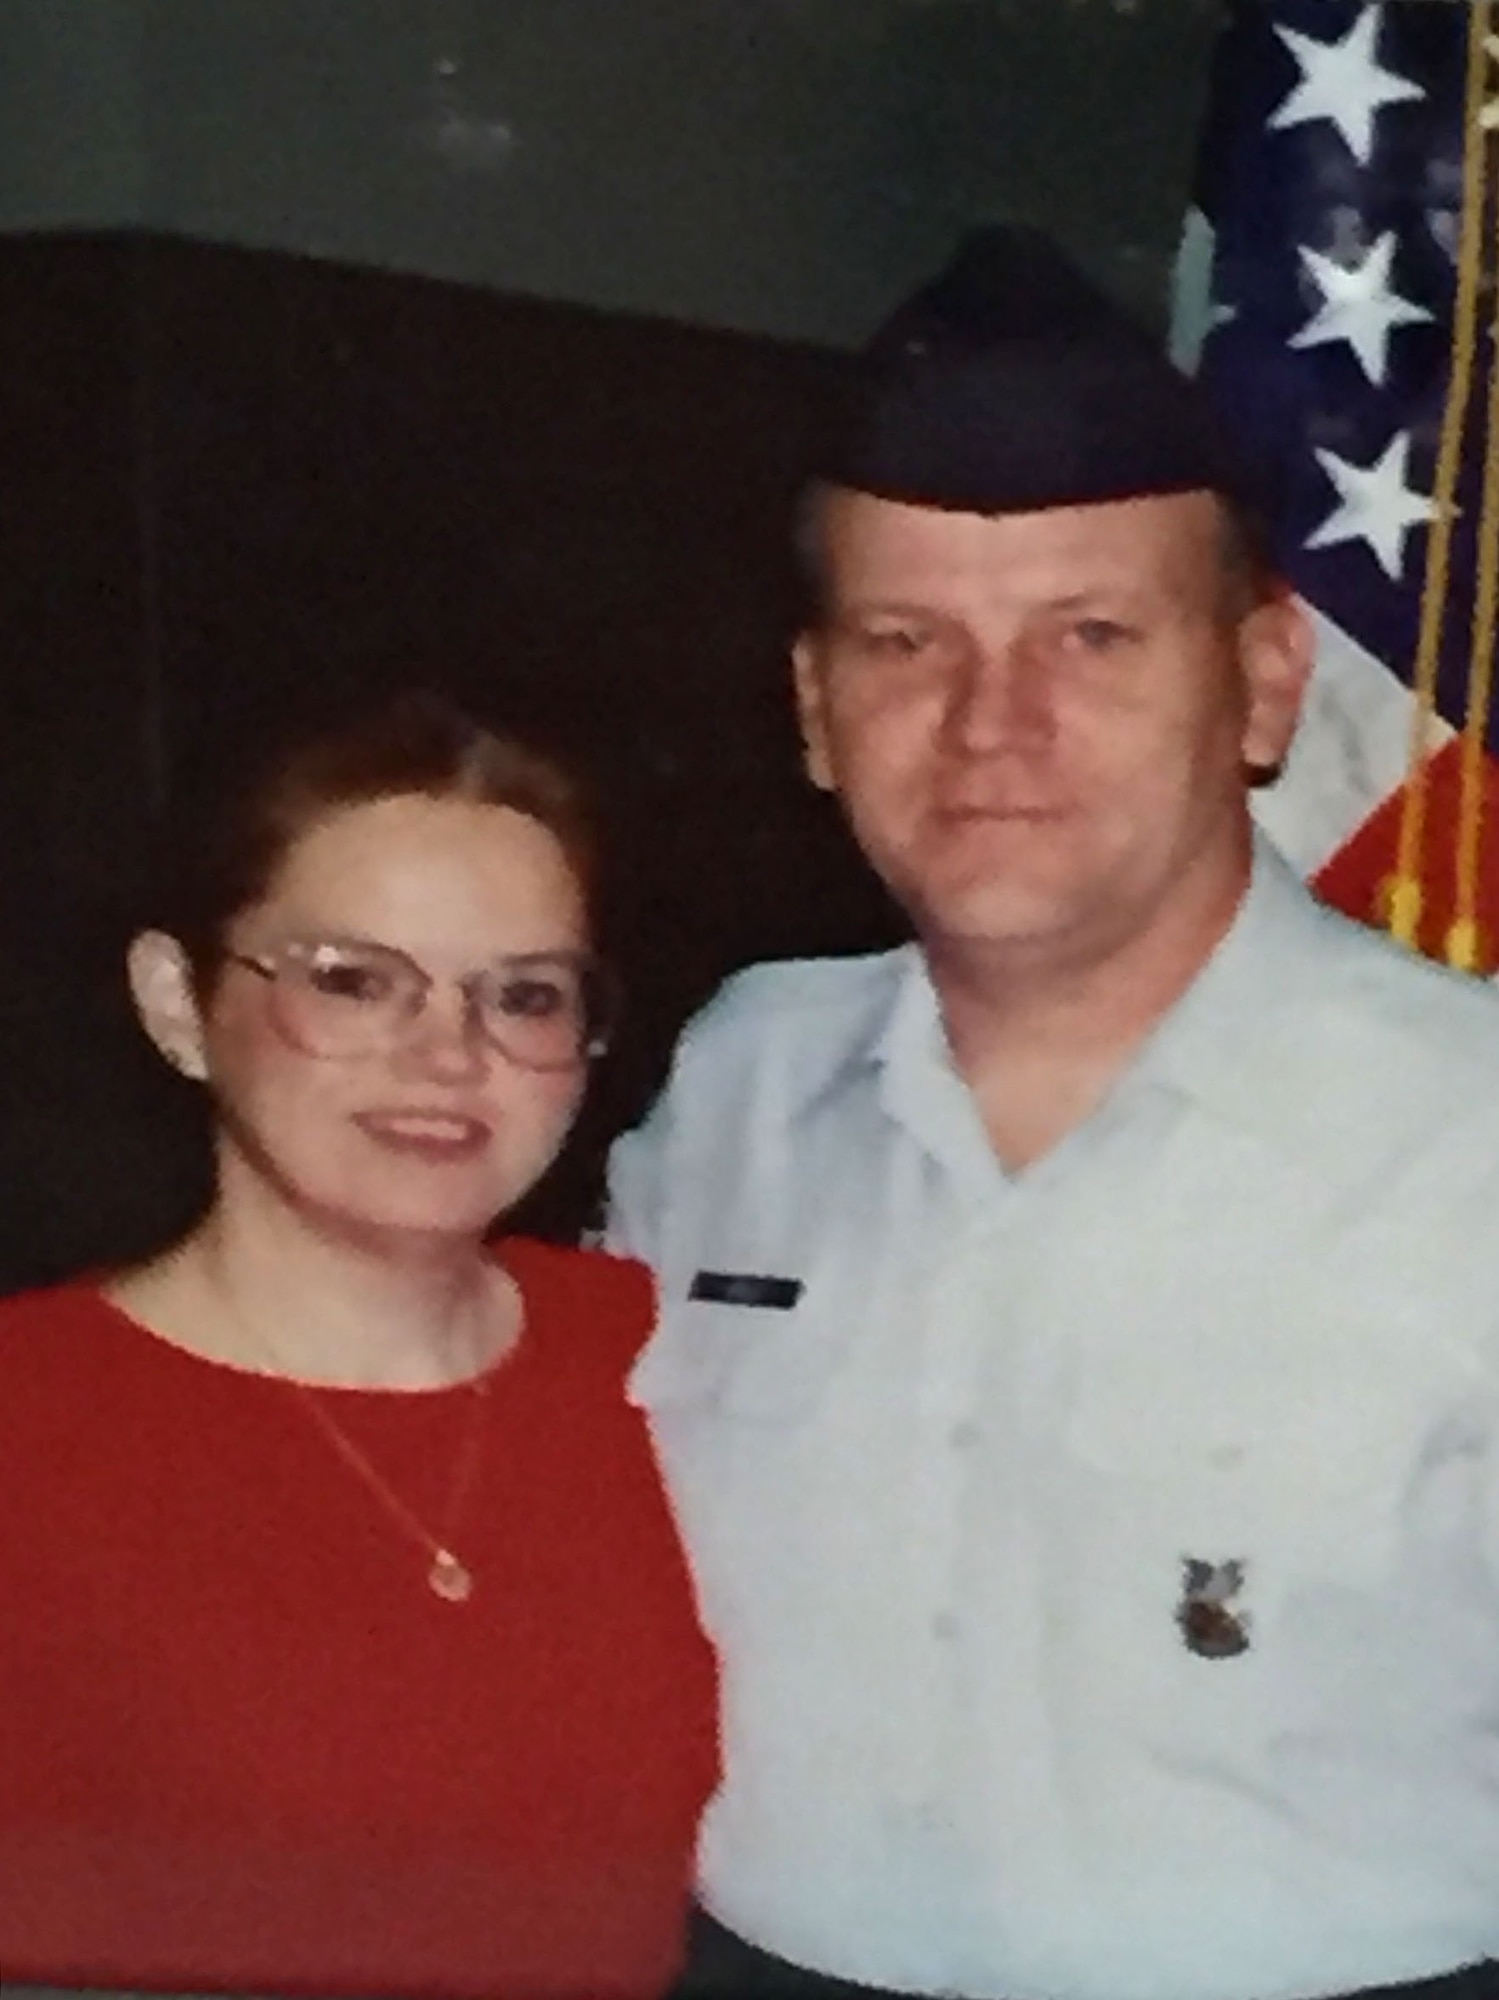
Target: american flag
[{"x": 1346, "y": 187}]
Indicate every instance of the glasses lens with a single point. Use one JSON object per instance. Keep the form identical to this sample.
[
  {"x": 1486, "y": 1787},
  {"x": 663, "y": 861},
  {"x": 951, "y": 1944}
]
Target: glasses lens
[
  {"x": 545, "y": 1013},
  {"x": 339, "y": 1000}
]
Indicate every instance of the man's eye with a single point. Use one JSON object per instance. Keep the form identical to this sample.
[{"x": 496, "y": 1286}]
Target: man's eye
[
  {"x": 900, "y": 642},
  {"x": 1099, "y": 635}
]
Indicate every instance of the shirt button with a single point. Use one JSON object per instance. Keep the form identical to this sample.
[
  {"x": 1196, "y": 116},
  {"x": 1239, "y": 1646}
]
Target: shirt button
[
  {"x": 945, "y": 1625},
  {"x": 963, "y": 1437},
  {"x": 1227, "y": 1457}
]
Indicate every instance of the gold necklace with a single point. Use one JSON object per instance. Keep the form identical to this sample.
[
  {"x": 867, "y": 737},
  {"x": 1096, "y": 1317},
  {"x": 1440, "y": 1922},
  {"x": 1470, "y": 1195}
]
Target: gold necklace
[{"x": 448, "y": 1576}]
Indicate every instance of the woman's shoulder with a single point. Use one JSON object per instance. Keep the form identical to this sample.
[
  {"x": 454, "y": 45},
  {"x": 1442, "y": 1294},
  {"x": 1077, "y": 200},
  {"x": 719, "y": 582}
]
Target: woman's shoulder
[
  {"x": 76, "y": 1304},
  {"x": 48, "y": 1335},
  {"x": 595, "y": 1308}
]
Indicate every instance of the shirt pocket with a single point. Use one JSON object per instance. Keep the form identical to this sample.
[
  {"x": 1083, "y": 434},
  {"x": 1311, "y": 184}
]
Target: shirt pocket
[
  {"x": 1298, "y": 1424},
  {"x": 750, "y": 1364},
  {"x": 1309, "y": 1494}
]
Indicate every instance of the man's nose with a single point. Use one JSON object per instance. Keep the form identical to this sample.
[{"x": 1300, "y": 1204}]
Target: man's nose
[{"x": 1001, "y": 698}]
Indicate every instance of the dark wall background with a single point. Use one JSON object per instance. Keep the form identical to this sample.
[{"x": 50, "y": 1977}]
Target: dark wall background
[
  {"x": 777, "y": 166},
  {"x": 554, "y": 476}
]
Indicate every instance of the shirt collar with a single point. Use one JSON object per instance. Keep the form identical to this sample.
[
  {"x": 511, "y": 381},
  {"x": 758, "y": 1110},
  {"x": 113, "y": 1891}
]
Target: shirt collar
[
  {"x": 1261, "y": 963},
  {"x": 1255, "y": 969}
]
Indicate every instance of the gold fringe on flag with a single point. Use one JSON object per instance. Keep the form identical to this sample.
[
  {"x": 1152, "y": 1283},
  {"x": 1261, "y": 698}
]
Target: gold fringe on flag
[{"x": 1463, "y": 946}]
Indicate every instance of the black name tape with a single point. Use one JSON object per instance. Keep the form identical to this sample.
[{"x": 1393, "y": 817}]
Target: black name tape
[{"x": 745, "y": 1288}]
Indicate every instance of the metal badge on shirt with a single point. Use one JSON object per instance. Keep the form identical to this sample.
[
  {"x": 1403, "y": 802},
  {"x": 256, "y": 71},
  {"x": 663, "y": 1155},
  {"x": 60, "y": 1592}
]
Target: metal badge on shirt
[{"x": 1212, "y": 1623}]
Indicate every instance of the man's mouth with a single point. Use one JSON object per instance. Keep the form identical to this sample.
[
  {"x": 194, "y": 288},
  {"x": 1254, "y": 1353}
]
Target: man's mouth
[{"x": 1002, "y": 815}]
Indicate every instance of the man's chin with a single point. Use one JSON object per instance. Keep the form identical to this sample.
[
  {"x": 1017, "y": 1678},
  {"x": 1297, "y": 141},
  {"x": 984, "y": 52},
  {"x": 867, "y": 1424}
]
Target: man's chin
[
  {"x": 993, "y": 926},
  {"x": 987, "y": 902}
]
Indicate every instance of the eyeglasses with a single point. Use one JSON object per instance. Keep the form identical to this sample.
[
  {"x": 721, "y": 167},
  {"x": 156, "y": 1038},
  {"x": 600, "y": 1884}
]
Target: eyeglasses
[{"x": 345, "y": 998}]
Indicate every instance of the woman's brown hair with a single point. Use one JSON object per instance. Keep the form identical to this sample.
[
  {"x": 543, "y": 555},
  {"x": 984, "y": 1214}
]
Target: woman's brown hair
[{"x": 226, "y": 847}]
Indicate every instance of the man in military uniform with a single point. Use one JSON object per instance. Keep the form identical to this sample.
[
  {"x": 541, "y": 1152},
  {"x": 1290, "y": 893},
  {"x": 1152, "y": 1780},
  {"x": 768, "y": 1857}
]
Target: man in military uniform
[{"x": 1078, "y": 1363}]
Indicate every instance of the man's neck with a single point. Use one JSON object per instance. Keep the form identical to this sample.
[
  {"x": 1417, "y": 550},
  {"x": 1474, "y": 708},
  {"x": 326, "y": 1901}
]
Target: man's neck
[{"x": 1041, "y": 1043}]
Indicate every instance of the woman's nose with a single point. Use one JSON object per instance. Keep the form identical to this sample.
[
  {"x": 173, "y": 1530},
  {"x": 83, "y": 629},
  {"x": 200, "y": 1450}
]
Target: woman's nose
[{"x": 447, "y": 1031}]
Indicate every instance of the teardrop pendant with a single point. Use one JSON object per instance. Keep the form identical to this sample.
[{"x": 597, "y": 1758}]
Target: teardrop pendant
[{"x": 450, "y": 1579}]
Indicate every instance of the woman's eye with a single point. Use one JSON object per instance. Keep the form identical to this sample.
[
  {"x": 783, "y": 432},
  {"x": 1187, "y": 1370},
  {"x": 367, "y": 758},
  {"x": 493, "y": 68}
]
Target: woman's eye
[
  {"x": 529, "y": 999},
  {"x": 339, "y": 979}
]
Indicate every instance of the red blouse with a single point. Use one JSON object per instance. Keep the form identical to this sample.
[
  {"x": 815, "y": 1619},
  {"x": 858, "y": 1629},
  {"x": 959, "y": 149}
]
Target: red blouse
[{"x": 243, "y": 1744}]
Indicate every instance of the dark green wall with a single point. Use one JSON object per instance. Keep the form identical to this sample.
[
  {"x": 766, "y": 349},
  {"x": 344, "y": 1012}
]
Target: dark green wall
[
  {"x": 560, "y": 484},
  {"x": 778, "y": 166}
]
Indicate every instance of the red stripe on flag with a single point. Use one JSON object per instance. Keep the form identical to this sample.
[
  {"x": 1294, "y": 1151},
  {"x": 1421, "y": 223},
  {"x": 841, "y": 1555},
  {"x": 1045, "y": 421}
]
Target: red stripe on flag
[{"x": 1356, "y": 879}]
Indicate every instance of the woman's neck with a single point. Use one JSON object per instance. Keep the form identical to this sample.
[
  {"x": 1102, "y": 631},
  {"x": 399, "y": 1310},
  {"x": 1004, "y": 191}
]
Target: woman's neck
[{"x": 257, "y": 1286}]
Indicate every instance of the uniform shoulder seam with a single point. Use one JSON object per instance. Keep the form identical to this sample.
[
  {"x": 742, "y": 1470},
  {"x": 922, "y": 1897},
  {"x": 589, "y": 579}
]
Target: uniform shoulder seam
[{"x": 794, "y": 984}]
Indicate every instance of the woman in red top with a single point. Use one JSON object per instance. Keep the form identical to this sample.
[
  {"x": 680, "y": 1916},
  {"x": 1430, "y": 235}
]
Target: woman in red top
[{"x": 345, "y": 1643}]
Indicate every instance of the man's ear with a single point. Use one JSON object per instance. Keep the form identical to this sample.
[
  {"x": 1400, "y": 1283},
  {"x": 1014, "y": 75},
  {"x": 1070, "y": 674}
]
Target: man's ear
[
  {"x": 161, "y": 984},
  {"x": 1277, "y": 651},
  {"x": 811, "y": 709}
]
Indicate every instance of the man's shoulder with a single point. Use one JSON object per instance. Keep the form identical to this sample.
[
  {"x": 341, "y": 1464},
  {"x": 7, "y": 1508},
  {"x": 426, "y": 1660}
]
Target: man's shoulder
[
  {"x": 1372, "y": 1057},
  {"x": 1443, "y": 1021},
  {"x": 798, "y": 1005},
  {"x": 775, "y": 1041}
]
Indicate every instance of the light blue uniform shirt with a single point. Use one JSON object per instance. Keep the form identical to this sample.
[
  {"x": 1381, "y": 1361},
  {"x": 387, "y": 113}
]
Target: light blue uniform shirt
[{"x": 1104, "y": 1559}]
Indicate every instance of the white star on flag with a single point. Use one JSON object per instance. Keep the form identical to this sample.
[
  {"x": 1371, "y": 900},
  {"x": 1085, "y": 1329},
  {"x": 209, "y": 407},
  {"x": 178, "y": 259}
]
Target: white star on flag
[
  {"x": 1337, "y": 154},
  {"x": 1342, "y": 82},
  {"x": 1375, "y": 505},
  {"x": 1359, "y": 306}
]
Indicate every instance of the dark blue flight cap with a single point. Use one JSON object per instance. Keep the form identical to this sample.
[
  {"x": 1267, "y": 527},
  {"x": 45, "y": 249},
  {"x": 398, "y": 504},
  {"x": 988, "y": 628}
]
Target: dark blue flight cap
[{"x": 1011, "y": 383}]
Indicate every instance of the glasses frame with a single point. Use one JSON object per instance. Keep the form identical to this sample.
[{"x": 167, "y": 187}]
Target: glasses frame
[{"x": 273, "y": 962}]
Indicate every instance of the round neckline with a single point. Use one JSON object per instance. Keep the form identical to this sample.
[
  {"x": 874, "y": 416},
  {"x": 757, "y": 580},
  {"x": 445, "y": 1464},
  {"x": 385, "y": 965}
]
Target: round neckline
[{"x": 375, "y": 1392}]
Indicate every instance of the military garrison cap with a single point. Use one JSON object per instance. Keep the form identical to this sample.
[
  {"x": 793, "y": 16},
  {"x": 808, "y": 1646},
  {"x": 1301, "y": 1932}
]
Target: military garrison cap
[{"x": 1011, "y": 383}]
